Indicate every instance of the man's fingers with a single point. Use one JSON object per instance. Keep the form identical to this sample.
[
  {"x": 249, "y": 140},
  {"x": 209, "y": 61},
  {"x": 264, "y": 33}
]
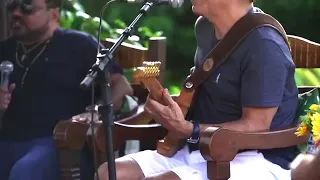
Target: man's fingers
[
  {"x": 7, "y": 96},
  {"x": 12, "y": 87},
  {"x": 80, "y": 118},
  {"x": 167, "y": 98},
  {"x": 147, "y": 108},
  {"x": 75, "y": 117},
  {"x": 86, "y": 117},
  {"x": 6, "y": 102},
  {"x": 155, "y": 106},
  {"x": 4, "y": 89}
]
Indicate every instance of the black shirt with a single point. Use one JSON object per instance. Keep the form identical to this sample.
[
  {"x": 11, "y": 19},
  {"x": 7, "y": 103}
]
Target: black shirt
[{"x": 51, "y": 89}]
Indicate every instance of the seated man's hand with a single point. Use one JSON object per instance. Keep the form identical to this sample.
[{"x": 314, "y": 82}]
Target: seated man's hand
[
  {"x": 86, "y": 117},
  {"x": 169, "y": 115}
]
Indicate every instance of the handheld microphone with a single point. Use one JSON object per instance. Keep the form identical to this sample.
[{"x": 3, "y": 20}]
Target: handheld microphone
[
  {"x": 173, "y": 3},
  {"x": 6, "y": 67}
]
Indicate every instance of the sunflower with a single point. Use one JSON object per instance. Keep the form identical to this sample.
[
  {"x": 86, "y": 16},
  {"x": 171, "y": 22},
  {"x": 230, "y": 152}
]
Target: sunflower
[
  {"x": 316, "y": 126},
  {"x": 302, "y": 130}
]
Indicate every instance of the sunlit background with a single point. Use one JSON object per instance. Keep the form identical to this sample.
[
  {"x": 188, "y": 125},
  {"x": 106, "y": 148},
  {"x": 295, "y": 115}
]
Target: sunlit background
[{"x": 299, "y": 17}]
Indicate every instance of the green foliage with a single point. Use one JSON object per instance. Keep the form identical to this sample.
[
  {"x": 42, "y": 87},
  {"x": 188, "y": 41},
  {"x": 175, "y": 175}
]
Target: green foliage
[
  {"x": 307, "y": 77},
  {"x": 299, "y": 18},
  {"x": 73, "y": 16}
]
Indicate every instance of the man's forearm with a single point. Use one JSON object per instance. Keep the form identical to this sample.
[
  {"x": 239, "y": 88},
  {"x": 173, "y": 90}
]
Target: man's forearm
[
  {"x": 239, "y": 125},
  {"x": 235, "y": 125}
]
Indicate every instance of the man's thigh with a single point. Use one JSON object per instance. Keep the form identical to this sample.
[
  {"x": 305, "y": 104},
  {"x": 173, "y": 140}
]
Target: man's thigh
[
  {"x": 40, "y": 162},
  {"x": 248, "y": 165},
  {"x": 152, "y": 162},
  {"x": 7, "y": 158},
  {"x": 252, "y": 165}
]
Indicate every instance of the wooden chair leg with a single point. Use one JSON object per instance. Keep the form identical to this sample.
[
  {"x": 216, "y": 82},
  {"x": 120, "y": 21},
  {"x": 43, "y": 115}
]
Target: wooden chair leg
[
  {"x": 70, "y": 164},
  {"x": 218, "y": 170}
]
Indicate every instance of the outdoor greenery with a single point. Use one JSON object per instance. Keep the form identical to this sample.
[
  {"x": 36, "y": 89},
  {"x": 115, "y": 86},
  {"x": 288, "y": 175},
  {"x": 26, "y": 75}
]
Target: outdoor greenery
[{"x": 298, "y": 17}]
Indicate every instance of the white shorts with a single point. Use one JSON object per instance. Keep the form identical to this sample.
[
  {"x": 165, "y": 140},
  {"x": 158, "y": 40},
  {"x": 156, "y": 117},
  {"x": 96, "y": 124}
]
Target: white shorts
[{"x": 249, "y": 165}]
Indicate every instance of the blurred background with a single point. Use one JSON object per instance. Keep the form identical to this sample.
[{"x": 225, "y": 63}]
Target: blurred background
[{"x": 299, "y": 17}]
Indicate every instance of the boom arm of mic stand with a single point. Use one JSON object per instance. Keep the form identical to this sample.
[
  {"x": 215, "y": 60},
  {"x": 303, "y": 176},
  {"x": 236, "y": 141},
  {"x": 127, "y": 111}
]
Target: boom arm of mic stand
[
  {"x": 100, "y": 65},
  {"x": 99, "y": 71}
]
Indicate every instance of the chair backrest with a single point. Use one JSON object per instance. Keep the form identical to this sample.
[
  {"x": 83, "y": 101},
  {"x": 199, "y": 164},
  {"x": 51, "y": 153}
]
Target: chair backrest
[
  {"x": 305, "y": 53},
  {"x": 131, "y": 56}
]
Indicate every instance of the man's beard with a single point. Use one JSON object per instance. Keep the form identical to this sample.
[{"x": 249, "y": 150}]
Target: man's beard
[{"x": 25, "y": 34}]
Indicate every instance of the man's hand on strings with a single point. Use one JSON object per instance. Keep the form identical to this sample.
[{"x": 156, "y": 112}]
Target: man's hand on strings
[{"x": 169, "y": 115}]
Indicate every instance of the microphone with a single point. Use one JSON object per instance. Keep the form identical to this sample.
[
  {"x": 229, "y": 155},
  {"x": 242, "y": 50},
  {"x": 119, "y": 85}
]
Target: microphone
[
  {"x": 173, "y": 3},
  {"x": 6, "y": 67}
]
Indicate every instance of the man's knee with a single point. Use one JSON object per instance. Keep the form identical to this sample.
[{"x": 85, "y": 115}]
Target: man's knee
[
  {"x": 126, "y": 168},
  {"x": 34, "y": 170},
  {"x": 102, "y": 172}
]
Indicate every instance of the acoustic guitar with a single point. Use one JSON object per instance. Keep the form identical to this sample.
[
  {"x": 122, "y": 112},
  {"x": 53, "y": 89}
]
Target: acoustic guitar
[{"x": 146, "y": 75}]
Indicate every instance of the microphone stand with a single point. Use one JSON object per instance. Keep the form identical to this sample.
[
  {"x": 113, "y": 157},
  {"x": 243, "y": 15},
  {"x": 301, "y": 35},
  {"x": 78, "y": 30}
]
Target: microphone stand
[{"x": 99, "y": 71}]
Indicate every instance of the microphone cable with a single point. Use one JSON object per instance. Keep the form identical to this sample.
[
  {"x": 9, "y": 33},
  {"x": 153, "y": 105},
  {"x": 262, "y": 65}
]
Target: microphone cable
[{"x": 100, "y": 21}]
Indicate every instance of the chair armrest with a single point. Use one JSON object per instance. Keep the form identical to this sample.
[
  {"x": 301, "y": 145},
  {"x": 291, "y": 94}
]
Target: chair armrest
[
  {"x": 123, "y": 132},
  {"x": 222, "y": 145},
  {"x": 70, "y": 134}
]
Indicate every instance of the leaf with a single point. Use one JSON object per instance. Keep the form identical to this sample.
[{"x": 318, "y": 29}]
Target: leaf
[{"x": 120, "y": 24}]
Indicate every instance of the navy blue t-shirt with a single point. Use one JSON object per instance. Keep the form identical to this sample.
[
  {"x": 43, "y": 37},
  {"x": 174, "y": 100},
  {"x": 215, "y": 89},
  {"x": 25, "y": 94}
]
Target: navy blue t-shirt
[
  {"x": 51, "y": 91},
  {"x": 259, "y": 73}
]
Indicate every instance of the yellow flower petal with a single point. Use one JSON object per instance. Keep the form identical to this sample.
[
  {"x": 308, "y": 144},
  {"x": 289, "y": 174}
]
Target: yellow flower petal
[
  {"x": 309, "y": 115},
  {"x": 314, "y": 107},
  {"x": 316, "y": 124},
  {"x": 302, "y": 130},
  {"x": 316, "y": 138}
]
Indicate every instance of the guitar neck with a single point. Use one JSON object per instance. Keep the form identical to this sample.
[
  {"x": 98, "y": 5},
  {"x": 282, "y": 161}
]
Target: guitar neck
[
  {"x": 154, "y": 87},
  {"x": 184, "y": 100}
]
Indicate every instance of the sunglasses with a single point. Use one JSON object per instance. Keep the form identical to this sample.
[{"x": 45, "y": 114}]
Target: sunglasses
[{"x": 24, "y": 5}]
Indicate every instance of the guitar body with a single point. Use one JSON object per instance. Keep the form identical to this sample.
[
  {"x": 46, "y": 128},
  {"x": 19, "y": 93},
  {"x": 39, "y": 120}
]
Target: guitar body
[
  {"x": 170, "y": 145},
  {"x": 145, "y": 75}
]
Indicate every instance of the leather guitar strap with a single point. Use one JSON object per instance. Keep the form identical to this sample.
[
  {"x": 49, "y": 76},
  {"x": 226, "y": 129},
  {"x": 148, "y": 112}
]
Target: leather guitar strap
[{"x": 220, "y": 53}]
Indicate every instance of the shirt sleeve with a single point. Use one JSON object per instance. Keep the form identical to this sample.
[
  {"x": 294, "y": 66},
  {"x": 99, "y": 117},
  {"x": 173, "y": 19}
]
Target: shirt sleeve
[{"x": 264, "y": 75}]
